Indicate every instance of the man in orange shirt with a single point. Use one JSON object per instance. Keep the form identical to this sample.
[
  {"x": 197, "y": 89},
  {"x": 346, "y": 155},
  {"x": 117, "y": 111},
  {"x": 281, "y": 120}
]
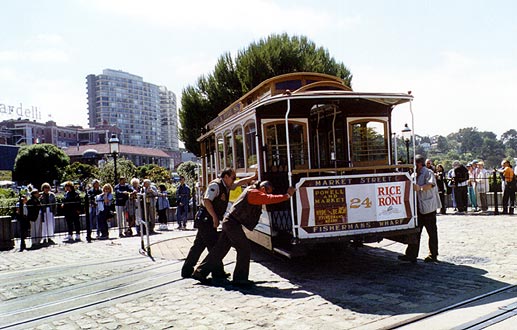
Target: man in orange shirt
[
  {"x": 244, "y": 212},
  {"x": 509, "y": 187}
]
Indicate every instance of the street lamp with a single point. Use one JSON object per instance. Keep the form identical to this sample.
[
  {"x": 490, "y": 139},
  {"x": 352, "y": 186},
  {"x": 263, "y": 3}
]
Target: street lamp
[
  {"x": 406, "y": 135},
  {"x": 114, "y": 150}
]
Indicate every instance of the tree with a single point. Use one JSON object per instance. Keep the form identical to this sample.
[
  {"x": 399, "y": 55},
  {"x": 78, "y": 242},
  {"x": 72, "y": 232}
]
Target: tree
[
  {"x": 470, "y": 138},
  {"x": 509, "y": 139},
  {"x": 80, "y": 172},
  {"x": 189, "y": 171},
  {"x": 39, "y": 163},
  {"x": 442, "y": 144},
  {"x": 125, "y": 168},
  {"x": 278, "y": 54},
  {"x": 154, "y": 173}
]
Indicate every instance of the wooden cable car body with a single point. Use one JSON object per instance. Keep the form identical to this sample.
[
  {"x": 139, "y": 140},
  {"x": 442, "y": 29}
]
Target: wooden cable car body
[{"x": 311, "y": 131}]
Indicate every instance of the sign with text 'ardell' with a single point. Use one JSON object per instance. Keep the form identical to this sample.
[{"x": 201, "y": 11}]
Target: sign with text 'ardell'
[
  {"x": 354, "y": 203},
  {"x": 8, "y": 111}
]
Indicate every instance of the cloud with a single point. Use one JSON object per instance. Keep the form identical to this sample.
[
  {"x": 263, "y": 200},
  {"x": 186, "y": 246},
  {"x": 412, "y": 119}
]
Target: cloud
[
  {"x": 259, "y": 17},
  {"x": 46, "y": 39},
  {"x": 457, "y": 61},
  {"x": 458, "y": 91},
  {"x": 37, "y": 56},
  {"x": 9, "y": 55},
  {"x": 41, "y": 48}
]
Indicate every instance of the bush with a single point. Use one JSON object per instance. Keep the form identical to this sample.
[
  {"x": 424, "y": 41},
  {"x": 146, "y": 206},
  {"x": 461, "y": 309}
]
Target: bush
[{"x": 8, "y": 202}]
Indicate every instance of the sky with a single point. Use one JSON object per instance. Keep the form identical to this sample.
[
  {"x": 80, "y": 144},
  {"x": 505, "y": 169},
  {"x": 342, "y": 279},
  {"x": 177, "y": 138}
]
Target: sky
[{"x": 458, "y": 58}]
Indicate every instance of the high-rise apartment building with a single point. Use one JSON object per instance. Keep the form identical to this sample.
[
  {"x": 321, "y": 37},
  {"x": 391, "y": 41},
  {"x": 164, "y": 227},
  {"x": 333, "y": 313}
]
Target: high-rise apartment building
[
  {"x": 169, "y": 118},
  {"x": 145, "y": 113}
]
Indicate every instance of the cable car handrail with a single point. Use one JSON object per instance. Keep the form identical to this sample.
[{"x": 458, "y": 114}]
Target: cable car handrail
[{"x": 350, "y": 169}]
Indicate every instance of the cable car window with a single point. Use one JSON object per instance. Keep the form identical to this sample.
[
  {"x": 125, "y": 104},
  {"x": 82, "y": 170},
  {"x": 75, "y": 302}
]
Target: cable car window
[
  {"x": 277, "y": 146},
  {"x": 228, "y": 144},
  {"x": 220, "y": 151},
  {"x": 251, "y": 148},
  {"x": 239, "y": 147},
  {"x": 368, "y": 142}
]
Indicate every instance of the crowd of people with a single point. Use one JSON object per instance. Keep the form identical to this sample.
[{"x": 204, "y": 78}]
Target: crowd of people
[
  {"x": 127, "y": 203},
  {"x": 130, "y": 203},
  {"x": 468, "y": 185}
]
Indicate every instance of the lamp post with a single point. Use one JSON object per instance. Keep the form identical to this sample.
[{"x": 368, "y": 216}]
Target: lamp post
[
  {"x": 406, "y": 135},
  {"x": 114, "y": 150},
  {"x": 395, "y": 156}
]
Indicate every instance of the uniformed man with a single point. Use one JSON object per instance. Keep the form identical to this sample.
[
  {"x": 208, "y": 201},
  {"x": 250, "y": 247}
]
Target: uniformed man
[
  {"x": 215, "y": 202},
  {"x": 244, "y": 212}
]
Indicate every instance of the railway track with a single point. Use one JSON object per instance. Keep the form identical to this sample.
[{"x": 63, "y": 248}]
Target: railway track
[
  {"x": 45, "y": 305},
  {"x": 481, "y": 312}
]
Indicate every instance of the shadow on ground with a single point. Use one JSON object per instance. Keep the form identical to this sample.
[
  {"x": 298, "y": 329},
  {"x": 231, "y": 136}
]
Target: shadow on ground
[{"x": 371, "y": 280}]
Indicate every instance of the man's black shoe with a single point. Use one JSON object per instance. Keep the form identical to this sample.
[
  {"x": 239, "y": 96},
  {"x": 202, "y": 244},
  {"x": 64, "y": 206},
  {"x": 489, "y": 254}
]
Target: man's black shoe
[
  {"x": 198, "y": 277},
  {"x": 243, "y": 283},
  {"x": 220, "y": 281},
  {"x": 406, "y": 258},
  {"x": 430, "y": 259}
]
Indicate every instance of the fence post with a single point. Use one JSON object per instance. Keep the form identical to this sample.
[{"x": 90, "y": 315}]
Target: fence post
[{"x": 494, "y": 188}]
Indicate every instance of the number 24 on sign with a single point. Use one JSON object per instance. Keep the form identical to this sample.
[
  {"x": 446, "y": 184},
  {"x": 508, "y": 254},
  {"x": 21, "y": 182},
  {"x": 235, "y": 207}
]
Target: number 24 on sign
[{"x": 356, "y": 203}]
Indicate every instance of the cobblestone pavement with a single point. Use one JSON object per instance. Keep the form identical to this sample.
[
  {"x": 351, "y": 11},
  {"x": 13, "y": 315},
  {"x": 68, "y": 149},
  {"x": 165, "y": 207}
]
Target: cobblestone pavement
[{"x": 365, "y": 288}]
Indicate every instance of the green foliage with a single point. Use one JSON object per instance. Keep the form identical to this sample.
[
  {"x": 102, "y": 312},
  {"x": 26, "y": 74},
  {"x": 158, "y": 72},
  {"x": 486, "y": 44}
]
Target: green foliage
[
  {"x": 189, "y": 171},
  {"x": 275, "y": 55},
  {"x": 280, "y": 54},
  {"x": 125, "y": 168},
  {"x": 7, "y": 202},
  {"x": 80, "y": 172},
  {"x": 154, "y": 173},
  {"x": 6, "y": 175},
  {"x": 465, "y": 145},
  {"x": 39, "y": 163}
]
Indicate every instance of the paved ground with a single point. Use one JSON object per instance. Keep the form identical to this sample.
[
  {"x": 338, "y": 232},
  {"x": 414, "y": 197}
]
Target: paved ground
[{"x": 365, "y": 288}]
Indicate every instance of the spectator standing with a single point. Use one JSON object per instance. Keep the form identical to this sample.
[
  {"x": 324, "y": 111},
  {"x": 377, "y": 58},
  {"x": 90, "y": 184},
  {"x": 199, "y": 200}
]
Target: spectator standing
[
  {"x": 133, "y": 208},
  {"x": 163, "y": 206},
  {"x": 508, "y": 187},
  {"x": 451, "y": 186},
  {"x": 428, "y": 202},
  {"x": 23, "y": 220},
  {"x": 104, "y": 210},
  {"x": 429, "y": 164},
  {"x": 245, "y": 212},
  {"x": 122, "y": 191},
  {"x": 182, "y": 201},
  {"x": 482, "y": 185},
  {"x": 150, "y": 194},
  {"x": 472, "y": 187},
  {"x": 34, "y": 216},
  {"x": 460, "y": 179},
  {"x": 48, "y": 211},
  {"x": 93, "y": 192},
  {"x": 71, "y": 209},
  {"x": 441, "y": 184}
]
